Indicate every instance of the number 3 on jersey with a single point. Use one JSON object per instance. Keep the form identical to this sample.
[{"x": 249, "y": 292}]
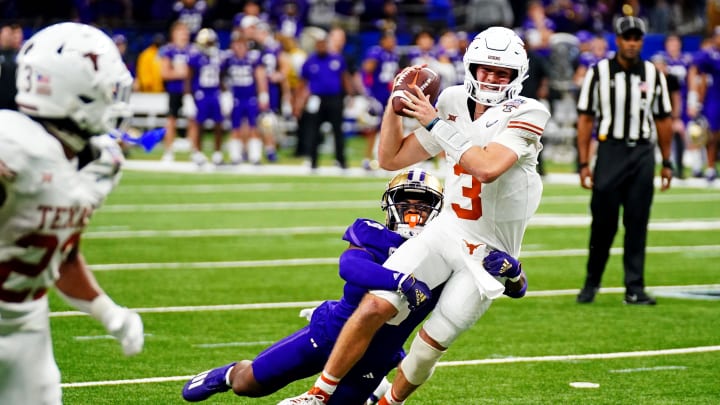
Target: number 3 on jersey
[{"x": 473, "y": 193}]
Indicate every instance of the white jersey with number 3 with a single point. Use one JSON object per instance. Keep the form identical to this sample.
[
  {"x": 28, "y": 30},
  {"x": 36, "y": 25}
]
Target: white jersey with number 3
[{"x": 476, "y": 217}]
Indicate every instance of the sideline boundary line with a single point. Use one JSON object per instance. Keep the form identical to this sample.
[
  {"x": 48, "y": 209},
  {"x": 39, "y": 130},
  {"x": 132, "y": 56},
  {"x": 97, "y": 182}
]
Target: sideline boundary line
[{"x": 570, "y": 357}]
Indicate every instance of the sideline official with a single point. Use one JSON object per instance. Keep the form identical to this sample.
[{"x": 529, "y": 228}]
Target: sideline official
[{"x": 624, "y": 95}]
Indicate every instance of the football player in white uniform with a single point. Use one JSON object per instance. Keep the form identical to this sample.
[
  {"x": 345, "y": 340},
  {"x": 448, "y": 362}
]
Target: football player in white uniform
[
  {"x": 72, "y": 86},
  {"x": 492, "y": 139}
]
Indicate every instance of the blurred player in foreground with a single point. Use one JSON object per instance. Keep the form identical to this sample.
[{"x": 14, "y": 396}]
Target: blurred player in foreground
[{"x": 54, "y": 172}]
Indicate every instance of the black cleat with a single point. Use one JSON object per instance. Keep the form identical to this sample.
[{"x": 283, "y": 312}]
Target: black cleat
[
  {"x": 587, "y": 295},
  {"x": 639, "y": 299}
]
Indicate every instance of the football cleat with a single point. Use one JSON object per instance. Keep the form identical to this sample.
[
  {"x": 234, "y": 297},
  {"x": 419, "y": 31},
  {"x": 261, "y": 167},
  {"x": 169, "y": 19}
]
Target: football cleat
[
  {"x": 640, "y": 298},
  {"x": 206, "y": 384},
  {"x": 315, "y": 396}
]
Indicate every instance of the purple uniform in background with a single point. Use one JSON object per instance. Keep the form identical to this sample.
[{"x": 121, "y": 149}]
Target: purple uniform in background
[
  {"x": 241, "y": 74},
  {"x": 324, "y": 74},
  {"x": 679, "y": 67},
  {"x": 708, "y": 62},
  {"x": 206, "y": 85},
  {"x": 176, "y": 56},
  {"x": 305, "y": 352},
  {"x": 191, "y": 16},
  {"x": 387, "y": 66},
  {"x": 269, "y": 55}
]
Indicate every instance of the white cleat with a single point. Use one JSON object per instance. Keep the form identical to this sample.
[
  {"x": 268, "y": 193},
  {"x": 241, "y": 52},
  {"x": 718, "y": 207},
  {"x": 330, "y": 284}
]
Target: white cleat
[
  {"x": 199, "y": 158},
  {"x": 304, "y": 399}
]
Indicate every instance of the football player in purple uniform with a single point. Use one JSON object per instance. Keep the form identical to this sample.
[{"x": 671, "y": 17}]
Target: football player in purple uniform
[
  {"x": 204, "y": 64},
  {"x": 379, "y": 68},
  {"x": 277, "y": 67},
  {"x": 677, "y": 64},
  {"x": 248, "y": 82},
  {"x": 704, "y": 96},
  {"x": 411, "y": 200}
]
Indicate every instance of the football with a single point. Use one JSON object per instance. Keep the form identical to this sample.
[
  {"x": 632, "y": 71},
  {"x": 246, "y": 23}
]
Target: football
[{"x": 425, "y": 78}]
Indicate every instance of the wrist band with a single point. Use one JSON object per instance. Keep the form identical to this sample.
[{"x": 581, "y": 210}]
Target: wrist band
[
  {"x": 583, "y": 165},
  {"x": 432, "y": 123},
  {"x": 667, "y": 164}
]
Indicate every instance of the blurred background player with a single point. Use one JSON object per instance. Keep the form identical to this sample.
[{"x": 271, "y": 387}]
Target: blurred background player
[
  {"x": 78, "y": 89},
  {"x": 204, "y": 76},
  {"x": 378, "y": 70},
  {"x": 174, "y": 71},
  {"x": 277, "y": 68},
  {"x": 191, "y": 13},
  {"x": 704, "y": 97},
  {"x": 248, "y": 83},
  {"x": 411, "y": 200}
]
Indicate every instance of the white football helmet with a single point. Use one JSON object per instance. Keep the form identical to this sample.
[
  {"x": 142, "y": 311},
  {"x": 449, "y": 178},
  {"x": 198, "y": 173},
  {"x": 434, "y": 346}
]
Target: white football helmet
[
  {"x": 74, "y": 71},
  {"x": 206, "y": 39},
  {"x": 697, "y": 130},
  {"x": 496, "y": 46},
  {"x": 406, "y": 217}
]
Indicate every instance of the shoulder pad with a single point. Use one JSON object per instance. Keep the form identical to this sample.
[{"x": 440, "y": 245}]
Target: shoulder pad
[{"x": 373, "y": 237}]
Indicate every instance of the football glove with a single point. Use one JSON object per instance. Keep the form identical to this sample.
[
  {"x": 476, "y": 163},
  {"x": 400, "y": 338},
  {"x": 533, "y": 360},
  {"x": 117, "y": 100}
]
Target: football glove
[
  {"x": 501, "y": 264},
  {"x": 416, "y": 292},
  {"x": 122, "y": 323}
]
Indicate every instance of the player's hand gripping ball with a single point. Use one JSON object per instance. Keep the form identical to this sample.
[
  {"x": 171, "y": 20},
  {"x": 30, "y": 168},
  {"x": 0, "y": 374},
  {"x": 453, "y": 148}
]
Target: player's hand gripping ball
[{"x": 425, "y": 78}]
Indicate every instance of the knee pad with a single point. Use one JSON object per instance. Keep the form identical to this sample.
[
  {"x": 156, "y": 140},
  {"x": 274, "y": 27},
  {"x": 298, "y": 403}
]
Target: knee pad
[{"x": 420, "y": 361}]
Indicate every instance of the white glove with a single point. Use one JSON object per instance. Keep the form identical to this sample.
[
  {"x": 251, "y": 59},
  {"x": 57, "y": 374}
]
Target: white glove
[
  {"x": 307, "y": 313},
  {"x": 124, "y": 324}
]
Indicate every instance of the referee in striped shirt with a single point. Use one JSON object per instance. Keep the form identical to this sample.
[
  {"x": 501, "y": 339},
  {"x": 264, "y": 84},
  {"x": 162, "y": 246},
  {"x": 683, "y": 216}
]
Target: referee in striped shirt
[{"x": 623, "y": 96}]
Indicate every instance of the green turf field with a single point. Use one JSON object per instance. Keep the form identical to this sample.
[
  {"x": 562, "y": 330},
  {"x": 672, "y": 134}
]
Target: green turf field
[{"x": 220, "y": 265}]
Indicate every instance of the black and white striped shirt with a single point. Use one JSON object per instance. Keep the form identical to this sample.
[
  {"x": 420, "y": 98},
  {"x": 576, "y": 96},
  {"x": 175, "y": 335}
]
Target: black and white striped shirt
[{"x": 624, "y": 102}]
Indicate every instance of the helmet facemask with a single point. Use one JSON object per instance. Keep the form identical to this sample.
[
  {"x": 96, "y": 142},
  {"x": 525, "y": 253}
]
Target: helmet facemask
[
  {"x": 411, "y": 200},
  {"x": 499, "y": 47}
]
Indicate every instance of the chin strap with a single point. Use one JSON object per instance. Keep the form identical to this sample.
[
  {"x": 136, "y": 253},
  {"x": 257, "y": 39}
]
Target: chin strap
[{"x": 73, "y": 141}]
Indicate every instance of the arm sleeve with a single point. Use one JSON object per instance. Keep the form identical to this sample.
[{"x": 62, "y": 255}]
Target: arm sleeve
[{"x": 357, "y": 267}]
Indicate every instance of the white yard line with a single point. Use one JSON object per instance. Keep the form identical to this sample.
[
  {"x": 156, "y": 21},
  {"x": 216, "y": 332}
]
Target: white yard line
[
  {"x": 311, "y": 304},
  {"x": 333, "y": 260},
  {"x": 533, "y": 359},
  {"x": 345, "y": 204},
  {"x": 551, "y": 221}
]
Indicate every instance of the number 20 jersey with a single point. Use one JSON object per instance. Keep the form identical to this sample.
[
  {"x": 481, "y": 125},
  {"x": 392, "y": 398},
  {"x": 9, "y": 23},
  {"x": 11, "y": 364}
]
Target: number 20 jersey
[{"x": 47, "y": 204}]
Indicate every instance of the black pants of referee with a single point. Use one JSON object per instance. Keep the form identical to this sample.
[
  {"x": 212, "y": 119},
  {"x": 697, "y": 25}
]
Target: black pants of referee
[
  {"x": 330, "y": 110},
  {"x": 623, "y": 176}
]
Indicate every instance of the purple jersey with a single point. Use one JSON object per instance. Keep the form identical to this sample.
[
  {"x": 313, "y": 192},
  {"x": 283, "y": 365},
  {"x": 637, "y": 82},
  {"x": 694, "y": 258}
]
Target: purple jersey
[
  {"x": 193, "y": 16},
  {"x": 679, "y": 67},
  {"x": 241, "y": 76},
  {"x": 589, "y": 59},
  {"x": 269, "y": 56},
  {"x": 708, "y": 62},
  {"x": 323, "y": 74},
  {"x": 387, "y": 66},
  {"x": 177, "y": 56},
  {"x": 305, "y": 352},
  {"x": 206, "y": 84}
]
